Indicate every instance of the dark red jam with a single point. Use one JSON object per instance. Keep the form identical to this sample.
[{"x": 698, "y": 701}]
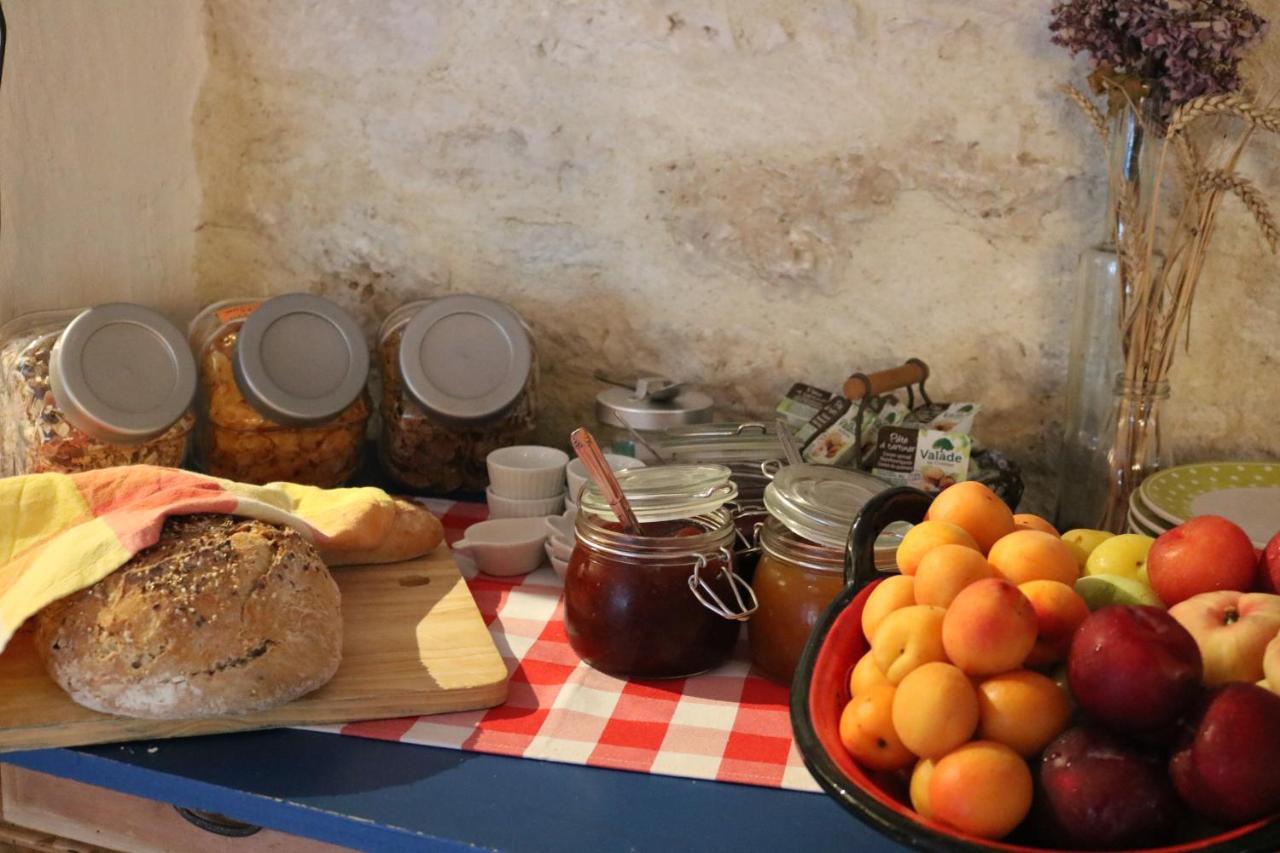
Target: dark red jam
[{"x": 635, "y": 616}]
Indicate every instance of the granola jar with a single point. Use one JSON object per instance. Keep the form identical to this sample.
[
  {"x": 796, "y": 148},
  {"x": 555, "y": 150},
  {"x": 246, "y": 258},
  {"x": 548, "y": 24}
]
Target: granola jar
[
  {"x": 93, "y": 388},
  {"x": 282, "y": 390},
  {"x": 459, "y": 380},
  {"x": 801, "y": 568},
  {"x": 666, "y": 603}
]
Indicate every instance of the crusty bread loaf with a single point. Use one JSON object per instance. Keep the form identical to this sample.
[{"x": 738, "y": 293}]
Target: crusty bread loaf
[
  {"x": 413, "y": 531},
  {"x": 222, "y": 616}
]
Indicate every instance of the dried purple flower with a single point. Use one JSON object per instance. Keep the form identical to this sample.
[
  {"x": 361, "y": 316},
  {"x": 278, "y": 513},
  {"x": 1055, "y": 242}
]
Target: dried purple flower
[{"x": 1181, "y": 48}]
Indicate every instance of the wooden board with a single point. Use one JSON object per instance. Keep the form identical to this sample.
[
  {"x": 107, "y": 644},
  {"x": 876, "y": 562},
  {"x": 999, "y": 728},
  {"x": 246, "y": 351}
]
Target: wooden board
[{"x": 413, "y": 643}]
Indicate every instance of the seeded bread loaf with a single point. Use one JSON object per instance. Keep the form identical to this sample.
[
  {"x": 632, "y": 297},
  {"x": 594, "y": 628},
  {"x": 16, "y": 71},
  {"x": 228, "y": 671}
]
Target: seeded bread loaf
[{"x": 222, "y": 616}]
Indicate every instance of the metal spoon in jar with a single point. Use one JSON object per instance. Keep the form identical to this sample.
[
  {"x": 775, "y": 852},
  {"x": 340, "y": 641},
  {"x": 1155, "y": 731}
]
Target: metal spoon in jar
[{"x": 584, "y": 445}]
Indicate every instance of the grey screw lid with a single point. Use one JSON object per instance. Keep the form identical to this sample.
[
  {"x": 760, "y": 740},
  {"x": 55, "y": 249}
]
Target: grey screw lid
[
  {"x": 122, "y": 373},
  {"x": 300, "y": 359},
  {"x": 619, "y": 407},
  {"x": 466, "y": 358}
]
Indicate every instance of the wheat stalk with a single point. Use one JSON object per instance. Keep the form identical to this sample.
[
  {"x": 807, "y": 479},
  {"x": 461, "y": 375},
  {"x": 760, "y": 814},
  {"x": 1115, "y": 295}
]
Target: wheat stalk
[
  {"x": 1243, "y": 188},
  {"x": 1234, "y": 105},
  {"x": 1089, "y": 108}
]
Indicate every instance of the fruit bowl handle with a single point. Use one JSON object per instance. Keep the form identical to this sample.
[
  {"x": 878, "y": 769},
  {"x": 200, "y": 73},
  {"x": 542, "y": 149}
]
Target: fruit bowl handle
[{"x": 898, "y": 504}]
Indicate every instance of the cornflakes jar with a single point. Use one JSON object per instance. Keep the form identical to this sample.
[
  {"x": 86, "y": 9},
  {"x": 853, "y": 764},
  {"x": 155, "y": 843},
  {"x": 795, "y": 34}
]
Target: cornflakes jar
[
  {"x": 459, "y": 380},
  {"x": 94, "y": 388},
  {"x": 282, "y": 390},
  {"x": 811, "y": 508}
]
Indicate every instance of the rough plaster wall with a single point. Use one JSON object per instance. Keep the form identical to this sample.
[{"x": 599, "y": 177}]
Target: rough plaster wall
[
  {"x": 744, "y": 194},
  {"x": 100, "y": 194}
]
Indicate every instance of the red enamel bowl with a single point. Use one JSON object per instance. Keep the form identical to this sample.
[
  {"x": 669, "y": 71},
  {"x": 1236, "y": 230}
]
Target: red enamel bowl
[{"x": 821, "y": 690}]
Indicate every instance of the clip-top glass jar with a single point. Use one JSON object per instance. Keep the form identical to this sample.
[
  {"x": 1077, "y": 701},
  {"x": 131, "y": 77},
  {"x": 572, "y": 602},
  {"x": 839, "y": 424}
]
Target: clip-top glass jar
[
  {"x": 93, "y": 388},
  {"x": 665, "y": 603},
  {"x": 459, "y": 380},
  {"x": 283, "y": 394},
  {"x": 801, "y": 566}
]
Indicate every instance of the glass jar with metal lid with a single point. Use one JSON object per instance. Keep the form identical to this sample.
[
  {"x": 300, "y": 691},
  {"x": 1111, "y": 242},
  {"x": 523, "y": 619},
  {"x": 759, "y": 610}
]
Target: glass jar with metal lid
[
  {"x": 93, "y": 388},
  {"x": 751, "y": 451},
  {"x": 282, "y": 390},
  {"x": 459, "y": 380},
  {"x": 811, "y": 509},
  {"x": 633, "y": 419},
  {"x": 665, "y": 603}
]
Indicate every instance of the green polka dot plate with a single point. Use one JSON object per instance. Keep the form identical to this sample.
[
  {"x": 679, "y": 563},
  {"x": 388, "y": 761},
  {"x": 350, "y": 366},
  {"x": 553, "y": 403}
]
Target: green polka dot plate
[{"x": 1247, "y": 493}]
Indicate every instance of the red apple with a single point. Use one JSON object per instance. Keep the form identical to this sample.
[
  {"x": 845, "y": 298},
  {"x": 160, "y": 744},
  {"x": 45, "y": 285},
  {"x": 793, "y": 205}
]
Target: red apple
[
  {"x": 1203, "y": 554},
  {"x": 1225, "y": 768},
  {"x": 1134, "y": 669},
  {"x": 1269, "y": 566},
  {"x": 1232, "y": 630},
  {"x": 1097, "y": 792}
]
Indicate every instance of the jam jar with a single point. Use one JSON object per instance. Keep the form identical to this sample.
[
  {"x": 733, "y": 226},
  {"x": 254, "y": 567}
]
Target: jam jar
[
  {"x": 811, "y": 509},
  {"x": 94, "y": 388},
  {"x": 459, "y": 380},
  {"x": 282, "y": 390},
  {"x": 751, "y": 451},
  {"x": 665, "y": 603}
]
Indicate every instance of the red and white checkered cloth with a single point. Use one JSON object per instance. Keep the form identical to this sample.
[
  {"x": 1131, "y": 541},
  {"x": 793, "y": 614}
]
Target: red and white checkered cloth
[{"x": 730, "y": 725}]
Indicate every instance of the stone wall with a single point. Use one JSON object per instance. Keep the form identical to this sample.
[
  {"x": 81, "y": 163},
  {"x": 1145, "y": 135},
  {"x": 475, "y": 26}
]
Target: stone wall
[{"x": 741, "y": 194}]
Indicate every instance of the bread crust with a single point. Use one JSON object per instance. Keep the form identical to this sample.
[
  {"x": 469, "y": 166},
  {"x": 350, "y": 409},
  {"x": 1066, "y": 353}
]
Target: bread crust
[
  {"x": 413, "y": 532},
  {"x": 222, "y": 616}
]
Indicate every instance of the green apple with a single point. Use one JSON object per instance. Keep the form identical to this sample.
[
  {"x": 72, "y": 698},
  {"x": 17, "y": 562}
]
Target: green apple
[
  {"x": 1124, "y": 555},
  {"x": 1083, "y": 540},
  {"x": 1098, "y": 591}
]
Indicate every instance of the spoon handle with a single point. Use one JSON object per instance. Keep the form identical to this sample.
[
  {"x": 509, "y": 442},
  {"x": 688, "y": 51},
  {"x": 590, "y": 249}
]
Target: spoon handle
[{"x": 584, "y": 445}]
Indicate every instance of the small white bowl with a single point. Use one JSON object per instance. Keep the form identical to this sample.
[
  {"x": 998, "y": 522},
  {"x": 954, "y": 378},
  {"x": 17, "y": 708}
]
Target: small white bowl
[
  {"x": 504, "y": 547},
  {"x": 561, "y": 567},
  {"x": 560, "y": 527},
  {"x": 527, "y": 471},
  {"x": 504, "y": 507},
  {"x": 558, "y": 549},
  {"x": 577, "y": 472}
]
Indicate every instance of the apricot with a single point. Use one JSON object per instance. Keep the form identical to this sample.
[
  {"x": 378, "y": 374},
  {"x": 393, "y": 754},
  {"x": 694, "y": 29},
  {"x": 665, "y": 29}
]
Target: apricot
[
  {"x": 1027, "y": 521},
  {"x": 1023, "y": 710},
  {"x": 866, "y": 730},
  {"x": 983, "y": 788},
  {"x": 908, "y": 638},
  {"x": 989, "y": 628},
  {"x": 919, "y": 789},
  {"x": 935, "y": 709},
  {"x": 946, "y": 570},
  {"x": 865, "y": 675},
  {"x": 1059, "y": 612},
  {"x": 975, "y": 508},
  {"x": 926, "y": 536},
  {"x": 1031, "y": 555},
  {"x": 891, "y": 594}
]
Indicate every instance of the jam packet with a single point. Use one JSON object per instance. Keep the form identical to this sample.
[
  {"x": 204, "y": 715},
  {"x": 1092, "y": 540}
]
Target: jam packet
[
  {"x": 929, "y": 450},
  {"x": 800, "y": 406},
  {"x": 831, "y": 437}
]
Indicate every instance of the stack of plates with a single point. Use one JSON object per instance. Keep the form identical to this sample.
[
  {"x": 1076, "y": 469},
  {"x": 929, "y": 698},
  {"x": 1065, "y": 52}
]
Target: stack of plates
[{"x": 1247, "y": 493}]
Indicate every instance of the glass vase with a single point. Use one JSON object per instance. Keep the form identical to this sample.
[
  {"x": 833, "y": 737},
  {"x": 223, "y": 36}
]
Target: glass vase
[
  {"x": 1097, "y": 352},
  {"x": 1136, "y": 450}
]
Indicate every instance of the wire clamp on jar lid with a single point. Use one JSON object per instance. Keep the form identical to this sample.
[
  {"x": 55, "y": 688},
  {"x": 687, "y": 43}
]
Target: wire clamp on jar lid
[{"x": 702, "y": 590}]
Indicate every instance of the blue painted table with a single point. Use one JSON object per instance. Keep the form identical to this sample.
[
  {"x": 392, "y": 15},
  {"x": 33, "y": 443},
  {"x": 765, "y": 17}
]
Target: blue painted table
[{"x": 374, "y": 795}]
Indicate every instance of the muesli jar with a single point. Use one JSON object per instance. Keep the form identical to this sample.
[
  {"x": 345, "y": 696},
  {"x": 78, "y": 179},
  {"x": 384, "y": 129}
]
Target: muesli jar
[
  {"x": 94, "y": 388},
  {"x": 459, "y": 380},
  {"x": 666, "y": 603},
  {"x": 811, "y": 509},
  {"x": 282, "y": 390}
]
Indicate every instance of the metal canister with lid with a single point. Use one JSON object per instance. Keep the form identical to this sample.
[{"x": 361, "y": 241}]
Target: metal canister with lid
[
  {"x": 93, "y": 388},
  {"x": 282, "y": 390},
  {"x": 663, "y": 602},
  {"x": 635, "y": 415},
  {"x": 811, "y": 508},
  {"x": 459, "y": 380}
]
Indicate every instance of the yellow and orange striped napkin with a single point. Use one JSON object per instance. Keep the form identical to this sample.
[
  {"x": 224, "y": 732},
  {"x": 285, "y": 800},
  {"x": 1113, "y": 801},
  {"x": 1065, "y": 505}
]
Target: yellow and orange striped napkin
[{"x": 61, "y": 533}]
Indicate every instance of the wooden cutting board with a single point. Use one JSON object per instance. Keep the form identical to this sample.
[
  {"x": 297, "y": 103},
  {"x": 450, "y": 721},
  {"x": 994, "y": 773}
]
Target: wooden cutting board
[{"x": 413, "y": 643}]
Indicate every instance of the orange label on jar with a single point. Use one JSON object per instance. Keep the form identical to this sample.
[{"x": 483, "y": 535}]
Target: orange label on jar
[{"x": 235, "y": 312}]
